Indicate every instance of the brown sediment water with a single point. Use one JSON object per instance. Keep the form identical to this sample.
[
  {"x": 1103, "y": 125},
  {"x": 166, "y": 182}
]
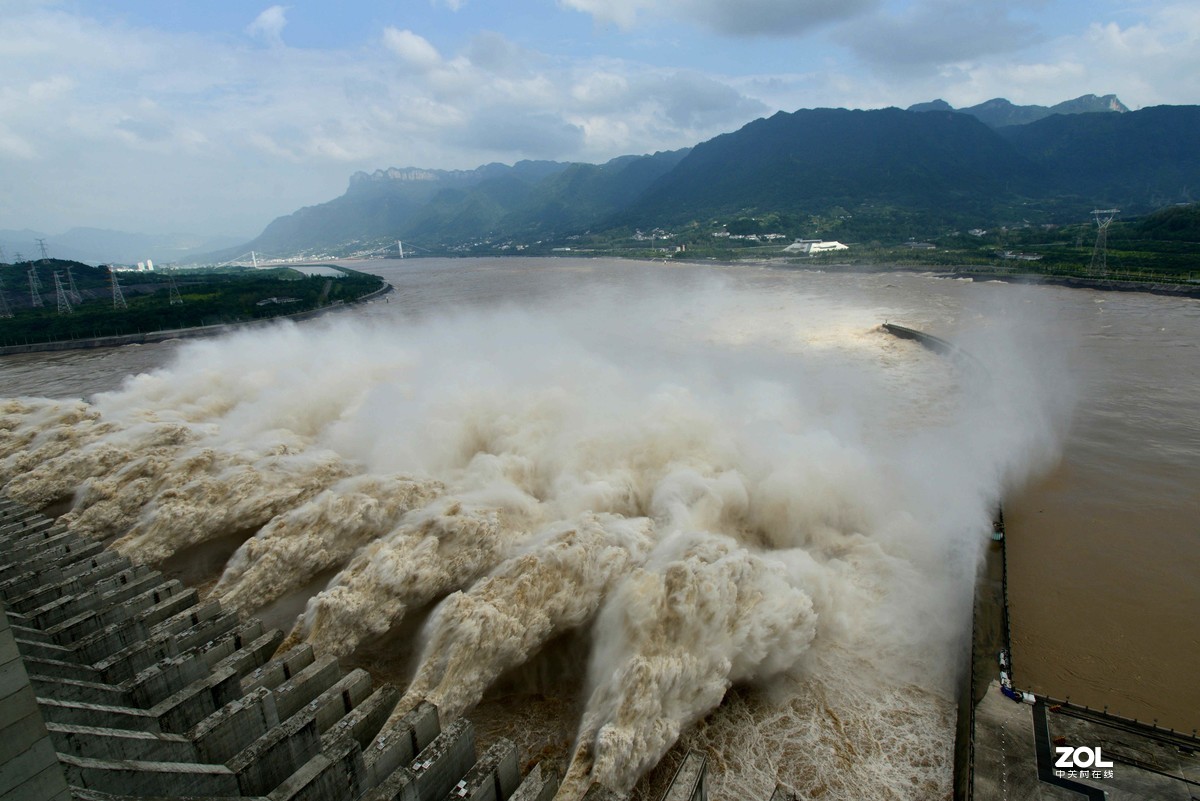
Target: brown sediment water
[
  {"x": 1111, "y": 527},
  {"x": 1104, "y": 552}
]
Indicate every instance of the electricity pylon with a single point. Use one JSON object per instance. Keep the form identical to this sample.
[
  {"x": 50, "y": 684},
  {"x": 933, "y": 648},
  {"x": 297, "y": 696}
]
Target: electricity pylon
[
  {"x": 35, "y": 288},
  {"x": 72, "y": 292},
  {"x": 64, "y": 303},
  {"x": 118, "y": 295},
  {"x": 173, "y": 294},
  {"x": 1103, "y": 218},
  {"x": 5, "y": 310}
]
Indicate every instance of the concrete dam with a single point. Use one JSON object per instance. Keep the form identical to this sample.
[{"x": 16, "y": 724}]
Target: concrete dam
[{"x": 116, "y": 683}]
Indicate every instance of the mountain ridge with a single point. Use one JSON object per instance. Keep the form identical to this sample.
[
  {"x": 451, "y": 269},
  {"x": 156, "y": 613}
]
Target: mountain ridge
[
  {"x": 880, "y": 173},
  {"x": 999, "y": 112}
]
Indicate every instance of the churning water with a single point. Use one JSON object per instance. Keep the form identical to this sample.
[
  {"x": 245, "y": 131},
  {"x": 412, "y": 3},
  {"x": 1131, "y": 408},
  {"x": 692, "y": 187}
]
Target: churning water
[{"x": 668, "y": 504}]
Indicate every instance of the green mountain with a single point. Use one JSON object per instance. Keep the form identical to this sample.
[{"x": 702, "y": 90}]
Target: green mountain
[
  {"x": 1180, "y": 223},
  {"x": 999, "y": 113},
  {"x": 1137, "y": 161},
  {"x": 878, "y": 174},
  {"x": 584, "y": 194},
  {"x": 943, "y": 166},
  {"x": 399, "y": 203}
]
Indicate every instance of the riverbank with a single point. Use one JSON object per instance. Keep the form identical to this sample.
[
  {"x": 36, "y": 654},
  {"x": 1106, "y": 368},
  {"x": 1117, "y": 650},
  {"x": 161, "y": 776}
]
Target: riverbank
[{"x": 143, "y": 338}]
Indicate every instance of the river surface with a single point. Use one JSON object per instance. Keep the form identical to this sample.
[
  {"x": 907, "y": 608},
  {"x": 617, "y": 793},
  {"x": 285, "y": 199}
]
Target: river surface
[{"x": 1104, "y": 543}]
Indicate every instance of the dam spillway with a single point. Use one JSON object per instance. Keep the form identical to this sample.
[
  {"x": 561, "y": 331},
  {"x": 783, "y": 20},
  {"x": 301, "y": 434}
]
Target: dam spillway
[
  {"x": 830, "y": 463},
  {"x": 118, "y": 683}
]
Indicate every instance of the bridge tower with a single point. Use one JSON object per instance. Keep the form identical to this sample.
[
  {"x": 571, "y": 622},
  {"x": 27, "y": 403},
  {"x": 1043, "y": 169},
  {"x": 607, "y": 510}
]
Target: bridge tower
[{"x": 1103, "y": 218}]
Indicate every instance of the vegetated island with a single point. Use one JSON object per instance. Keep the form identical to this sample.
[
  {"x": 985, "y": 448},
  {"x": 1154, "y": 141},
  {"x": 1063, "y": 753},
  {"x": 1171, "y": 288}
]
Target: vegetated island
[{"x": 52, "y": 304}]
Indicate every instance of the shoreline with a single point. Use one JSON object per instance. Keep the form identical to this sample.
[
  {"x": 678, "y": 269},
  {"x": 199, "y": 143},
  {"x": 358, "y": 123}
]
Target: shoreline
[
  {"x": 193, "y": 332},
  {"x": 965, "y": 271}
]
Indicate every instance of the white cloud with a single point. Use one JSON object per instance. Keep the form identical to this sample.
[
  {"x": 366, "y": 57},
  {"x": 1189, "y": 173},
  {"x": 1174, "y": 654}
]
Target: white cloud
[
  {"x": 1151, "y": 61},
  {"x": 107, "y": 124},
  {"x": 269, "y": 25},
  {"x": 412, "y": 49},
  {"x": 203, "y": 134},
  {"x": 929, "y": 33},
  {"x": 14, "y": 146},
  {"x": 745, "y": 18},
  {"x": 51, "y": 88}
]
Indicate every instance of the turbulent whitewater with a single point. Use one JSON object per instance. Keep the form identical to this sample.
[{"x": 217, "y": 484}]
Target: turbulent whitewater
[{"x": 760, "y": 513}]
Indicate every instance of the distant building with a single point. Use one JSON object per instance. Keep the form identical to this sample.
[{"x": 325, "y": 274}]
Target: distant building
[{"x": 814, "y": 246}]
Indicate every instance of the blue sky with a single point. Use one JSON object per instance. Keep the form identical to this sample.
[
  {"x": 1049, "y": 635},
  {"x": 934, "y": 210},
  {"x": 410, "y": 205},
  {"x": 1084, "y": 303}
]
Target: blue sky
[{"x": 215, "y": 117}]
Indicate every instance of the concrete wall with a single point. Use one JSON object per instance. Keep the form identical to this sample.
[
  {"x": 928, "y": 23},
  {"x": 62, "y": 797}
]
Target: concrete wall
[{"x": 29, "y": 769}]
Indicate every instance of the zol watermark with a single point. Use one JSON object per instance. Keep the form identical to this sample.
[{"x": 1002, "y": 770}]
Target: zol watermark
[{"x": 1081, "y": 762}]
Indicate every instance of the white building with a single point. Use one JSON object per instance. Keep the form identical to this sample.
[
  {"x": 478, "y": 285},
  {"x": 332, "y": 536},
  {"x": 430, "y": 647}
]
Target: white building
[{"x": 814, "y": 246}]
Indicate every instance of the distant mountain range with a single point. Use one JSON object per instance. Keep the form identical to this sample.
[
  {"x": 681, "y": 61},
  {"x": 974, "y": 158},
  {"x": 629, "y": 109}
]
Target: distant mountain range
[
  {"x": 999, "y": 112},
  {"x": 880, "y": 174},
  {"x": 99, "y": 246}
]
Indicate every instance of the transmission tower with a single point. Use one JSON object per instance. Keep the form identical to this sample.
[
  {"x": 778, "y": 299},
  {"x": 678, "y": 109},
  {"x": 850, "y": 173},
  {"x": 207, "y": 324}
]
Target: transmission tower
[
  {"x": 35, "y": 288},
  {"x": 1, "y": 254},
  {"x": 5, "y": 311},
  {"x": 1103, "y": 218},
  {"x": 72, "y": 292},
  {"x": 175, "y": 298},
  {"x": 64, "y": 303},
  {"x": 42, "y": 245},
  {"x": 118, "y": 296}
]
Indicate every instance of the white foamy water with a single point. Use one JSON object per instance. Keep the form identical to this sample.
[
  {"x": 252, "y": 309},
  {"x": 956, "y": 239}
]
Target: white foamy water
[{"x": 717, "y": 480}]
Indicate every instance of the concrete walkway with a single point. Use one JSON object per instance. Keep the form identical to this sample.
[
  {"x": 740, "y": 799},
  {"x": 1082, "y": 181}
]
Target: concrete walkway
[{"x": 1146, "y": 767}]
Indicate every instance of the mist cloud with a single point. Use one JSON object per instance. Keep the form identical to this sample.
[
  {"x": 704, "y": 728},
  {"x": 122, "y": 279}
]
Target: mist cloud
[{"x": 720, "y": 488}]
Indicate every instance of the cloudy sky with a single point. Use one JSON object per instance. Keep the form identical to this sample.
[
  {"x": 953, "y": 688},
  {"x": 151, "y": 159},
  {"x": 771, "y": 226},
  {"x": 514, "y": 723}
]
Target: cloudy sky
[{"x": 214, "y": 117}]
